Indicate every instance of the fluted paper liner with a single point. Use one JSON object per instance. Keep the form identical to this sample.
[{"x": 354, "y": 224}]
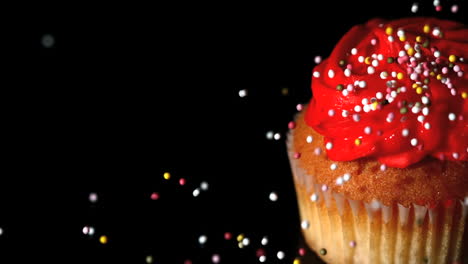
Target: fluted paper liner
[{"x": 391, "y": 234}]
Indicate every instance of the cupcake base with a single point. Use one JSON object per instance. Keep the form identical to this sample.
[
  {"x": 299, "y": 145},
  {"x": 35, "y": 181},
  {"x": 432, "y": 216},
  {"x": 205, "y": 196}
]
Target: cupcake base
[{"x": 341, "y": 230}]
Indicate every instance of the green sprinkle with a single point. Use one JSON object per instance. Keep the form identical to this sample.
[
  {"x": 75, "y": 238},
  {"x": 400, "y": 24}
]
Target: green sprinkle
[
  {"x": 323, "y": 251},
  {"x": 426, "y": 81},
  {"x": 403, "y": 110},
  {"x": 340, "y": 87},
  {"x": 341, "y": 63},
  {"x": 451, "y": 65},
  {"x": 420, "y": 222},
  {"x": 426, "y": 44},
  {"x": 390, "y": 59}
]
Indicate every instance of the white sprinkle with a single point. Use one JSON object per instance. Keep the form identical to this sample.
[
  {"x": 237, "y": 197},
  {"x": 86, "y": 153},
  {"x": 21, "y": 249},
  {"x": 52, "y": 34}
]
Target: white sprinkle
[
  {"x": 354, "y": 51},
  {"x": 370, "y": 70},
  {"x": 273, "y": 197},
  {"x": 317, "y": 59},
  {"x": 402, "y": 53},
  {"x": 329, "y": 145},
  {"x": 264, "y": 241},
  {"x": 347, "y": 72},
  {"x": 414, "y": 8},
  {"x": 415, "y": 109},
  {"x": 305, "y": 224},
  {"x": 245, "y": 241},
  {"x": 362, "y": 84},
  {"x": 436, "y": 53},
  {"x": 262, "y": 259},
  {"x": 280, "y": 255},
  {"x": 269, "y": 135},
  {"x": 393, "y": 94},
  {"x": 331, "y": 73},
  {"x": 345, "y": 92},
  {"x": 425, "y": 111},
  {"x": 309, "y": 139},
  {"x": 357, "y": 108},
  {"x": 350, "y": 87},
  {"x": 379, "y": 95},
  {"x": 380, "y": 57},
  {"x": 204, "y": 186},
  {"x": 436, "y": 32},
  {"x": 356, "y": 117},
  {"x": 390, "y": 38},
  {"x": 339, "y": 181},
  {"x": 407, "y": 46},
  {"x": 420, "y": 118},
  {"x": 344, "y": 113},
  {"x": 48, "y": 41},
  {"x": 375, "y": 63},
  {"x": 383, "y": 167},
  {"x": 242, "y": 93},
  {"x": 316, "y": 74},
  {"x": 400, "y": 33},
  {"x": 367, "y": 130},
  {"x": 314, "y": 197},
  {"x": 436, "y": 2},
  {"x": 455, "y": 155},
  {"x": 425, "y": 100},
  {"x": 331, "y": 112},
  {"x": 196, "y": 192},
  {"x": 414, "y": 76},
  {"x": 427, "y": 126},
  {"x": 333, "y": 166},
  {"x": 383, "y": 75},
  {"x": 277, "y": 136},
  {"x": 405, "y": 132},
  {"x": 202, "y": 239},
  {"x": 414, "y": 142},
  {"x": 366, "y": 108},
  {"x": 346, "y": 177},
  {"x": 364, "y": 101},
  {"x": 452, "y": 117},
  {"x": 360, "y": 59}
]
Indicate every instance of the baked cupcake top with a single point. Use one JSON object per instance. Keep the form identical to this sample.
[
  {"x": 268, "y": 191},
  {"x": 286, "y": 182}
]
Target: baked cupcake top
[{"x": 395, "y": 91}]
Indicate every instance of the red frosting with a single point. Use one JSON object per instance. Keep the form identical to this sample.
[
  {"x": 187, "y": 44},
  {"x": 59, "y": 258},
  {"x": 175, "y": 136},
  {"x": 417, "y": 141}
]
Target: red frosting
[{"x": 396, "y": 91}]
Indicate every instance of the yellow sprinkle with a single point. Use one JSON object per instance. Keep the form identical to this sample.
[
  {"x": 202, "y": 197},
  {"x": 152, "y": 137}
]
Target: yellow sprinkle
[
  {"x": 240, "y": 237},
  {"x": 400, "y": 76},
  {"x": 297, "y": 261},
  {"x": 452, "y": 58},
  {"x": 419, "y": 39},
  {"x": 415, "y": 85},
  {"x": 389, "y": 30},
  {"x": 411, "y": 51},
  {"x": 439, "y": 77},
  {"x": 464, "y": 95},
  {"x": 374, "y": 105},
  {"x": 167, "y": 175},
  {"x": 240, "y": 245},
  {"x": 357, "y": 141},
  {"x": 426, "y": 28},
  {"x": 419, "y": 90},
  {"x": 368, "y": 60},
  {"x": 103, "y": 239},
  {"x": 432, "y": 73},
  {"x": 402, "y": 38}
]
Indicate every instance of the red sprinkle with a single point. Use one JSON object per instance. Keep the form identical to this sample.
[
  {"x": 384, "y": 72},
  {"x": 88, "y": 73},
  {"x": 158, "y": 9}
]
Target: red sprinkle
[
  {"x": 154, "y": 196},
  {"x": 302, "y": 252},
  {"x": 182, "y": 181},
  {"x": 291, "y": 125},
  {"x": 227, "y": 236},
  {"x": 260, "y": 252}
]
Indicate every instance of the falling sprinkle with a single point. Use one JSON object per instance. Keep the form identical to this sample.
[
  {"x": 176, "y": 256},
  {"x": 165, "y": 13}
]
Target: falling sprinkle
[
  {"x": 93, "y": 197},
  {"x": 280, "y": 255},
  {"x": 301, "y": 252},
  {"x": 264, "y": 241},
  {"x": 215, "y": 258},
  {"x": 297, "y": 261},
  {"x": 246, "y": 241},
  {"x": 204, "y": 186},
  {"x": 454, "y": 9},
  {"x": 242, "y": 93},
  {"x": 284, "y": 91},
  {"x": 47, "y": 41},
  {"x": 317, "y": 59},
  {"x": 167, "y": 175},
  {"x": 269, "y": 135},
  {"x": 277, "y": 136},
  {"x": 262, "y": 259},
  {"x": 299, "y": 107},
  {"x": 414, "y": 8},
  {"x": 149, "y": 259},
  {"x": 154, "y": 196},
  {"x": 181, "y": 181},
  {"x": 103, "y": 240},
  {"x": 227, "y": 236},
  {"x": 196, "y": 192},
  {"x": 273, "y": 197},
  {"x": 291, "y": 125},
  {"x": 202, "y": 239}
]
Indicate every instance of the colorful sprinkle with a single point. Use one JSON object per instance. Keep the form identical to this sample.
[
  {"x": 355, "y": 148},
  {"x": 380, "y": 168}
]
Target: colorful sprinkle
[
  {"x": 323, "y": 251},
  {"x": 273, "y": 197},
  {"x": 103, "y": 240},
  {"x": 167, "y": 175}
]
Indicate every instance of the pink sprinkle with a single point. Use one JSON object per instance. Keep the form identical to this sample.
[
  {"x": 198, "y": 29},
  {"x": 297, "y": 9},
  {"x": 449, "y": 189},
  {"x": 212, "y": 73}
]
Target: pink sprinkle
[
  {"x": 402, "y": 60},
  {"x": 420, "y": 147},
  {"x": 352, "y": 243},
  {"x": 227, "y": 236},
  {"x": 456, "y": 68},
  {"x": 302, "y": 252},
  {"x": 409, "y": 70},
  {"x": 454, "y": 8},
  {"x": 297, "y": 155},
  {"x": 182, "y": 181},
  {"x": 349, "y": 67},
  {"x": 260, "y": 252},
  {"x": 291, "y": 125},
  {"x": 438, "y": 8},
  {"x": 383, "y": 167},
  {"x": 317, "y": 151},
  {"x": 154, "y": 196},
  {"x": 324, "y": 188},
  {"x": 299, "y": 107},
  {"x": 379, "y": 132},
  {"x": 444, "y": 70},
  {"x": 216, "y": 258},
  {"x": 373, "y": 41}
]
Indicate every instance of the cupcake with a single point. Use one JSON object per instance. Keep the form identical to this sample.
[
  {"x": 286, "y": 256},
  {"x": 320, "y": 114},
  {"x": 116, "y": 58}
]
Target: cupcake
[{"x": 379, "y": 155}]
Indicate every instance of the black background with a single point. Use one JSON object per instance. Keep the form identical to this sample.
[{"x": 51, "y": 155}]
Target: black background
[{"x": 129, "y": 92}]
